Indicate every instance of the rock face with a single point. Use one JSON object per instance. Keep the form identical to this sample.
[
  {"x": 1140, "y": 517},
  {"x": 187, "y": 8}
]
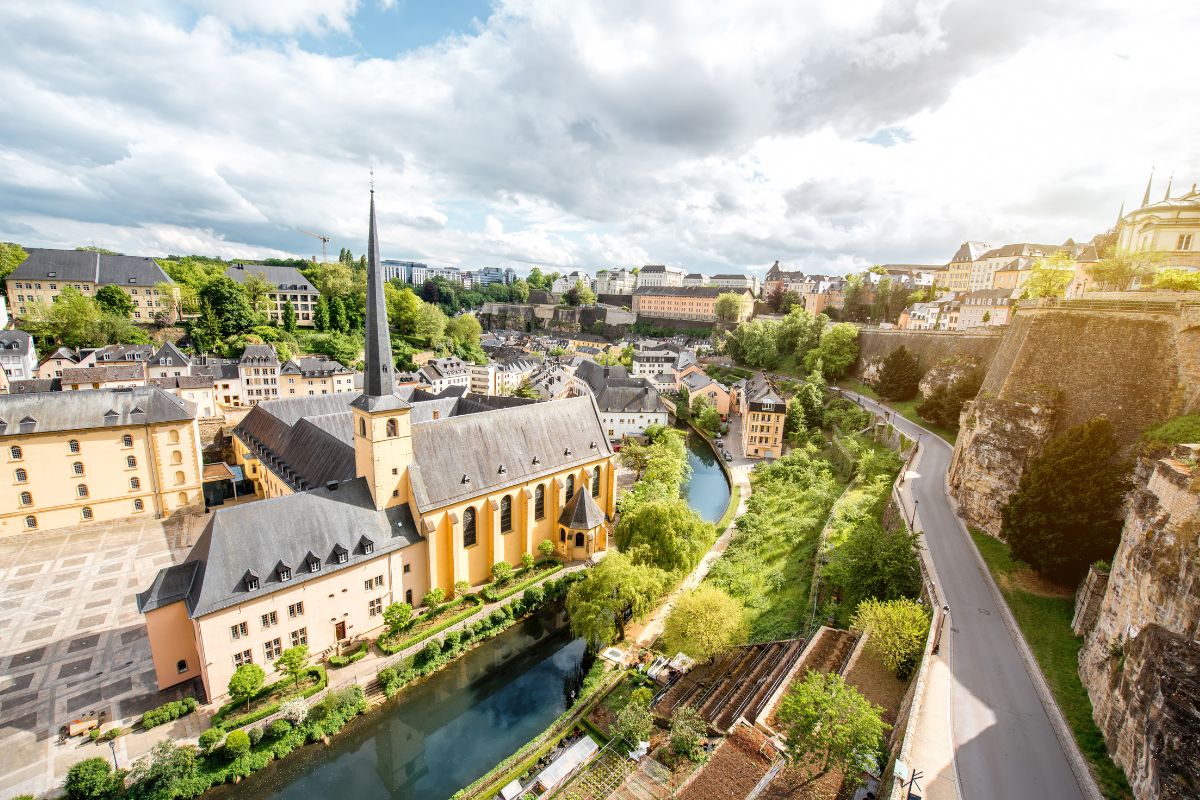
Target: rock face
[
  {"x": 1056, "y": 369},
  {"x": 561, "y": 319},
  {"x": 930, "y": 347},
  {"x": 996, "y": 439},
  {"x": 1140, "y": 662},
  {"x": 947, "y": 372}
]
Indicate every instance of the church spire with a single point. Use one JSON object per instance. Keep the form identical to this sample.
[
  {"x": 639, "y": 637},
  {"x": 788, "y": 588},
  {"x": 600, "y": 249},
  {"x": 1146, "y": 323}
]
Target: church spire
[
  {"x": 1170, "y": 180},
  {"x": 1146, "y": 196},
  {"x": 1121, "y": 214},
  {"x": 379, "y": 380}
]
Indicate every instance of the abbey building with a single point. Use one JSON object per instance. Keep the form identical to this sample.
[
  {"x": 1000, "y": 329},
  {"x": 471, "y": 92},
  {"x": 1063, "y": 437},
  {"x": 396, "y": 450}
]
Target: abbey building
[{"x": 374, "y": 499}]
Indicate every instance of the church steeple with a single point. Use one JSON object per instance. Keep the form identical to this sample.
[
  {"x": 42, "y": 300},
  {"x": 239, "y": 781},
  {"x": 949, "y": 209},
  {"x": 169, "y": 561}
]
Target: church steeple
[
  {"x": 1121, "y": 214},
  {"x": 379, "y": 380},
  {"x": 1146, "y": 196},
  {"x": 1170, "y": 180}
]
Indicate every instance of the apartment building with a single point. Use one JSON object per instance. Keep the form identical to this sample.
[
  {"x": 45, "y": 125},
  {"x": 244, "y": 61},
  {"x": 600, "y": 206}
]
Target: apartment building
[
  {"x": 693, "y": 303},
  {"x": 983, "y": 308},
  {"x": 627, "y": 404},
  {"x": 52, "y": 366},
  {"x": 958, "y": 271},
  {"x": 88, "y": 456},
  {"x": 615, "y": 281},
  {"x": 762, "y": 410},
  {"x": 109, "y": 376},
  {"x": 735, "y": 281},
  {"x": 290, "y": 286},
  {"x": 18, "y": 355},
  {"x": 258, "y": 372},
  {"x": 315, "y": 375},
  {"x": 116, "y": 354},
  {"x": 45, "y": 273},
  {"x": 659, "y": 275},
  {"x": 442, "y": 373}
]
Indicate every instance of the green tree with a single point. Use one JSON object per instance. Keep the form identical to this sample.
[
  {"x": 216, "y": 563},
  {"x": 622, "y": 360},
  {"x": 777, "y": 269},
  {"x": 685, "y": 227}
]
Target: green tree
[
  {"x": 632, "y": 725},
  {"x": 112, "y": 299},
  {"x": 461, "y": 587},
  {"x": 1064, "y": 514},
  {"x": 245, "y": 681},
  {"x": 1174, "y": 280},
  {"x": 527, "y": 560},
  {"x": 404, "y": 309},
  {"x": 900, "y": 375},
  {"x": 433, "y": 598},
  {"x": 790, "y": 301},
  {"x": 501, "y": 571},
  {"x": 397, "y": 615},
  {"x": 337, "y": 316},
  {"x": 828, "y": 725},
  {"x": 944, "y": 404},
  {"x": 293, "y": 662},
  {"x": 165, "y": 773},
  {"x": 519, "y": 291},
  {"x": 1119, "y": 268},
  {"x": 728, "y": 307},
  {"x": 526, "y": 390},
  {"x": 546, "y": 548},
  {"x": 237, "y": 744},
  {"x": 92, "y": 779},
  {"x": 289, "y": 317},
  {"x": 321, "y": 314},
  {"x": 338, "y": 346},
  {"x": 666, "y": 534},
  {"x": 258, "y": 294},
  {"x": 872, "y": 562},
  {"x": 228, "y": 302},
  {"x": 536, "y": 279},
  {"x": 836, "y": 352},
  {"x": 687, "y": 731},
  {"x": 11, "y": 256},
  {"x": 205, "y": 331},
  {"x": 795, "y": 430},
  {"x": 753, "y": 343},
  {"x": 811, "y": 397},
  {"x": 431, "y": 325},
  {"x": 1050, "y": 276},
  {"x": 72, "y": 319},
  {"x": 598, "y": 604},
  {"x": 897, "y": 630},
  {"x": 800, "y": 332},
  {"x": 704, "y": 622},
  {"x": 464, "y": 330}
]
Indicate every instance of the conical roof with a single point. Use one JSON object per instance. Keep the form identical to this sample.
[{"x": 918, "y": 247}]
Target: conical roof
[{"x": 581, "y": 512}]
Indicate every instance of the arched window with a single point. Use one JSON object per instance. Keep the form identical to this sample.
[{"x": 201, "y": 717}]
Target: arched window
[
  {"x": 15, "y": 453},
  {"x": 562, "y": 534},
  {"x": 26, "y": 499},
  {"x": 183, "y": 498},
  {"x": 176, "y": 457},
  {"x": 31, "y": 522},
  {"x": 539, "y": 502},
  {"x": 468, "y": 527},
  {"x": 579, "y": 540},
  {"x": 138, "y": 505},
  {"x": 135, "y": 483},
  {"x": 77, "y": 467},
  {"x": 127, "y": 440},
  {"x": 22, "y": 475},
  {"x": 87, "y": 512},
  {"x": 393, "y": 428},
  {"x": 73, "y": 445},
  {"x": 172, "y": 437},
  {"x": 82, "y": 490},
  {"x": 570, "y": 486},
  {"x": 130, "y": 462},
  {"x": 181, "y": 666},
  {"x": 179, "y": 478},
  {"x": 596, "y": 482},
  {"x": 505, "y": 514}
]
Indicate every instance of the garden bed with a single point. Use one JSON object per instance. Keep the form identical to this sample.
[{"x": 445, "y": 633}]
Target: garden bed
[
  {"x": 267, "y": 700},
  {"x": 428, "y": 624},
  {"x": 521, "y": 579}
]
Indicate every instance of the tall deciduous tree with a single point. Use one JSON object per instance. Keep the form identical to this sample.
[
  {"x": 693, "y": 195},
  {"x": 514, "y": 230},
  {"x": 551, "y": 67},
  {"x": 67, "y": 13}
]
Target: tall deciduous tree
[
  {"x": 1064, "y": 514},
  {"x": 289, "y": 317},
  {"x": 900, "y": 375},
  {"x": 836, "y": 352},
  {"x": 872, "y": 562},
  {"x": 828, "y": 725},
  {"x": 228, "y": 302},
  {"x": 704, "y": 622},
  {"x": 404, "y": 309},
  {"x": 112, "y": 299},
  {"x": 1051, "y": 275},
  {"x": 321, "y": 314},
  {"x": 616, "y": 587},
  {"x": 1120, "y": 268},
  {"x": 666, "y": 534},
  {"x": 431, "y": 325},
  {"x": 464, "y": 330},
  {"x": 245, "y": 681},
  {"x": 11, "y": 256},
  {"x": 896, "y": 629},
  {"x": 728, "y": 307},
  {"x": 293, "y": 661}
]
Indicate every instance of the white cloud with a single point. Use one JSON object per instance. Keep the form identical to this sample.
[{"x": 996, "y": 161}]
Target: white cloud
[{"x": 717, "y": 136}]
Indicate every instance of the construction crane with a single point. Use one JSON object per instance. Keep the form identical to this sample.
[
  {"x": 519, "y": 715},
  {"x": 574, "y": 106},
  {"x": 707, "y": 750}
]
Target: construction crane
[{"x": 324, "y": 245}]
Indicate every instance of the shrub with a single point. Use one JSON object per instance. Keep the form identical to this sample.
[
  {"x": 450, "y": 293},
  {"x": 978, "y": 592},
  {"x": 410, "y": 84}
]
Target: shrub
[
  {"x": 451, "y": 640},
  {"x": 167, "y": 712},
  {"x": 91, "y": 779},
  {"x": 461, "y": 588},
  {"x": 430, "y": 651},
  {"x": 94, "y": 735},
  {"x": 237, "y": 744},
  {"x": 501, "y": 571},
  {"x": 527, "y": 560},
  {"x": 294, "y": 711},
  {"x": 386, "y": 675},
  {"x": 279, "y": 729},
  {"x": 897, "y": 631},
  {"x": 546, "y": 548},
  {"x": 434, "y": 597},
  {"x": 256, "y": 735},
  {"x": 210, "y": 738},
  {"x": 534, "y": 596},
  {"x": 114, "y": 733},
  {"x": 687, "y": 730},
  {"x": 338, "y": 661},
  {"x": 497, "y": 617}
]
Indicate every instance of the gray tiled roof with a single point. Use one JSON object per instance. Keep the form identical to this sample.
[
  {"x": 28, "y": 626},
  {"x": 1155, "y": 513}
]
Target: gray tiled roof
[
  {"x": 33, "y": 385},
  {"x": 760, "y": 390},
  {"x": 182, "y": 382},
  {"x": 121, "y": 352},
  {"x": 260, "y": 536},
  {"x": 85, "y": 265},
  {"x": 15, "y": 341},
  {"x": 259, "y": 354},
  {"x": 104, "y": 373},
  {"x": 89, "y": 409},
  {"x": 581, "y": 512},
  {"x": 172, "y": 353},
  {"x": 287, "y": 279},
  {"x": 616, "y": 391},
  {"x": 314, "y": 367}
]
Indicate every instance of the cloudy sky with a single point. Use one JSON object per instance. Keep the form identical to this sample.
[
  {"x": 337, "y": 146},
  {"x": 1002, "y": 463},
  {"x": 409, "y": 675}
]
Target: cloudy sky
[{"x": 576, "y": 134}]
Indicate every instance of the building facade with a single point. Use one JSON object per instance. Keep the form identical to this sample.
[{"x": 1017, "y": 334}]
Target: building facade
[
  {"x": 288, "y": 286},
  {"x": 313, "y": 375},
  {"x": 45, "y": 273},
  {"x": 1170, "y": 226},
  {"x": 615, "y": 281},
  {"x": 18, "y": 355},
  {"x": 694, "y": 303},
  {"x": 258, "y": 372},
  {"x": 659, "y": 275},
  {"x": 762, "y": 410},
  {"x": 79, "y": 457}
]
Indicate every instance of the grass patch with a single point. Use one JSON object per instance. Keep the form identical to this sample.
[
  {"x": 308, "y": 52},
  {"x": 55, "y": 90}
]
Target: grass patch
[
  {"x": 906, "y": 408},
  {"x": 735, "y": 497},
  {"x": 1045, "y": 621}
]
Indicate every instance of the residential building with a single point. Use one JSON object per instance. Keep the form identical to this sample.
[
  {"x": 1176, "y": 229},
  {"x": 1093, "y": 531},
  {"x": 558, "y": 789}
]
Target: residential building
[
  {"x": 225, "y": 375},
  {"x": 258, "y": 370},
  {"x": 958, "y": 271},
  {"x": 615, "y": 281},
  {"x": 696, "y": 303},
  {"x": 627, "y": 405},
  {"x": 552, "y": 381},
  {"x": 1010, "y": 257},
  {"x": 97, "y": 455},
  {"x": 198, "y": 390},
  {"x": 659, "y": 275},
  {"x": 442, "y": 373},
  {"x": 1171, "y": 226},
  {"x": 116, "y": 354},
  {"x": 313, "y": 375},
  {"x": 109, "y": 376},
  {"x": 502, "y": 377},
  {"x": 781, "y": 280},
  {"x": 983, "y": 308},
  {"x": 289, "y": 286},
  {"x": 53, "y": 364},
  {"x": 564, "y": 283},
  {"x": 762, "y": 410},
  {"x": 380, "y": 498},
  {"x": 168, "y": 362},
  {"x": 700, "y": 385},
  {"x": 18, "y": 355},
  {"x": 45, "y": 273},
  {"x": 650, "y": 360}
]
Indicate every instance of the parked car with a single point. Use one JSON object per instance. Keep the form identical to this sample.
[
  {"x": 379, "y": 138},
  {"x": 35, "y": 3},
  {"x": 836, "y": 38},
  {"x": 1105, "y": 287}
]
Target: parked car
[{"x": 728, "y": 456}]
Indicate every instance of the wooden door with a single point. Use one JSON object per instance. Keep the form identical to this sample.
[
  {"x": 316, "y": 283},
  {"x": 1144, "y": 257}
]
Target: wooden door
[{"x": 340, "y": 631}]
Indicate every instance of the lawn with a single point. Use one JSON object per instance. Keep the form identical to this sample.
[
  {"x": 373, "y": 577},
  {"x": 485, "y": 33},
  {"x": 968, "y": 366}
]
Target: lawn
[
  {"x": 907, "y": 408},
  {"x": 1044, "y": 616}
]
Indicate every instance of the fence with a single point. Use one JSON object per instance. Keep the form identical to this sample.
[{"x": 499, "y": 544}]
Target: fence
[{"x": 1145, "y": 306}]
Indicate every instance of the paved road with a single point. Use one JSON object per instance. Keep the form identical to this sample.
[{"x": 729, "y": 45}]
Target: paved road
[{"x": 1004, "y": 744}]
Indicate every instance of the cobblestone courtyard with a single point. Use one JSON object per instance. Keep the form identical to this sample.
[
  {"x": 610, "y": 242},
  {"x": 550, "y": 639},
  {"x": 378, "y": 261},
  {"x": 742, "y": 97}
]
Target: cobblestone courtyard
[{"x": 72, "y": 643}]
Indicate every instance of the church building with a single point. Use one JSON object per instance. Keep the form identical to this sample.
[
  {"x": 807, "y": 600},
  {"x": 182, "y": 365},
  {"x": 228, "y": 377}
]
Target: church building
[{"x": 370, "y": 500}]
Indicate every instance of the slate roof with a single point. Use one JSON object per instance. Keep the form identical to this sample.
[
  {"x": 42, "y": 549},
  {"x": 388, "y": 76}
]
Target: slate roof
[
  {"x": 760, "y": 390},
  {"x": 85, "y": 265},
  {"x": 182, "y": 382},
  {"x": 15, "y": 341},
  {"x": 121, "y": 352},
  {"x": 261, "y": 536},
  {"x": 172, "y": 354},
  {"x": 1022, "y": 249},
  {"x": 62, "y": 353},
  {"x": 33, "y": 385},
  {"x": 314, "y": 367},
  {"x": 287, "y": 279},
  {"x": 89, "y": 409},
  {"x": 615, "y": 391},
  {"x": 970, "y": 250},
  {"x": 259, "y": 354},
  {"x": 698, "y": 380},
  {"x": 103, "y": 374},
  {"x": 581, "y": 512}
]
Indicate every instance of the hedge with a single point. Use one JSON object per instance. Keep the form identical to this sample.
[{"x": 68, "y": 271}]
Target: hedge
[
  {"x": 219, "y": 721},
  {"x": 167, "y": 712},
  {"x": 551, "y": 565},
  {"x": 391, "y": 648},
  {"x": 338, "y": 661}
]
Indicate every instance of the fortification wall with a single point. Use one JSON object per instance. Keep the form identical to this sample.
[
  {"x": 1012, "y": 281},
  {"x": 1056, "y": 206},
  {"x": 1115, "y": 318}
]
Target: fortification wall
[{"x": 930, "y": 347}]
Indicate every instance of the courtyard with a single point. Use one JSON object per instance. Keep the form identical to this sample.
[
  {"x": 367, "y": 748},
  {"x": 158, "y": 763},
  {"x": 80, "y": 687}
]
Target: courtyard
[{"x": 73, "y": 646}]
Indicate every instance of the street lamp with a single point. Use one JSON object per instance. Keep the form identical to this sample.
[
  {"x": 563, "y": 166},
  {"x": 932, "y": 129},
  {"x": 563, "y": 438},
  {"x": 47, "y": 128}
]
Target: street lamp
[
  {"x": 912, "y": 523},
  {"x": 112, "y": 745}
]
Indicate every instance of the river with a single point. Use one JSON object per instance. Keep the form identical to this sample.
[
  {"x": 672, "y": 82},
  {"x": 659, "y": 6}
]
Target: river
[{"x": 708, "y": 490}]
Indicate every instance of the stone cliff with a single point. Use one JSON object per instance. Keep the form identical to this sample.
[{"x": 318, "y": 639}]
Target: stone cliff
[
  {"x": 531, "y": 317},
  {"x": 1140, "y": 662},
  {"x": 930, "y": 347},
  {"x": 1057, "y": 368}
]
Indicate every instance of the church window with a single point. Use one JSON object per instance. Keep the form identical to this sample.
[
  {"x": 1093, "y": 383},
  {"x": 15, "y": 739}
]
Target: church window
[
  {"x": 393, "y": 429},
  {"x": 579, "y": 539},
  {"x": 539, "y": 502},
  {"x": 562, "y": 534},
  {"x": 362, "y": 427},
  {"x": 596, "y": 482},
  {"x": 505, "y": 514},
  {"x": 570, "y": 486},
  {"x": 468, "y": 527}
]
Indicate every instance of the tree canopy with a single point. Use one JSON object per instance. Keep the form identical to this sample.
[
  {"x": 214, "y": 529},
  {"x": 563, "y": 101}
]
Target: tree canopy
[
  {"x": 828, "y": 724},
  {"x": 1119, "y": 268},
  {"x": 112, "y": 299},
  {"x": 728, "y": 306},
  {"x": 663, "y": 533},
  {"x": 897, "y": 630},
  {"x": 836, "y": 352},
  {"x": 616, "y": 587},
  {"x": 704, "y": 622},
  {"x": 900, "y": 375}
]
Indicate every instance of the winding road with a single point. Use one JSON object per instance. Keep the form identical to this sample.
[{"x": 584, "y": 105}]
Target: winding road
[{"x": 1004, "y": 743}]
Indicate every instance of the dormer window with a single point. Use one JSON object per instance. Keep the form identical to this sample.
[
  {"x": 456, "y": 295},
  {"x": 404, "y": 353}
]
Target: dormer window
[
  {"x": 503, "y": 470},
  {"x": 285, "y": 573},
  {"x": 341, "y": 554},
  {"x": 251, "y": 579},
  {"x": 314, "y": 563},
  {"x": 465, "y": 479},
  {"x": 368, "y": 546}
]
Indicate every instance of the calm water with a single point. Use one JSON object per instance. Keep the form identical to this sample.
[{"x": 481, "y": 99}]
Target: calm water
[
  {"x": 708, "y": 490},
  {"x": 444, "y": 733}
]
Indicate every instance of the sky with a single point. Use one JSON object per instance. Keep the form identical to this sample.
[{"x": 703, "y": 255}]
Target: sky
[{"x": 571, "y": 134}]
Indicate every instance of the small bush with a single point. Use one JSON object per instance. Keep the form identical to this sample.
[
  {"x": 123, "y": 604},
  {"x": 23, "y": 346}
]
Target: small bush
[
  {"x": 430, "y": 651},
  {"x": 497, "y": 617},
  {"x": 256, "y": 735},
  {"x": 210, "y": 738},
  {"x": 167, "y": 712},
  {"x": 237, "y": 744},
  {"x": 94, "y": 734},
  {"x": 534, "y": 596},
  {"x": 294, "y": 711},
  {"x": 451, "y": 640},
  {"x": 386, "y": 675},
  {"x": 527, "y": 560},
  {"x": 279, "y": 729}
]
